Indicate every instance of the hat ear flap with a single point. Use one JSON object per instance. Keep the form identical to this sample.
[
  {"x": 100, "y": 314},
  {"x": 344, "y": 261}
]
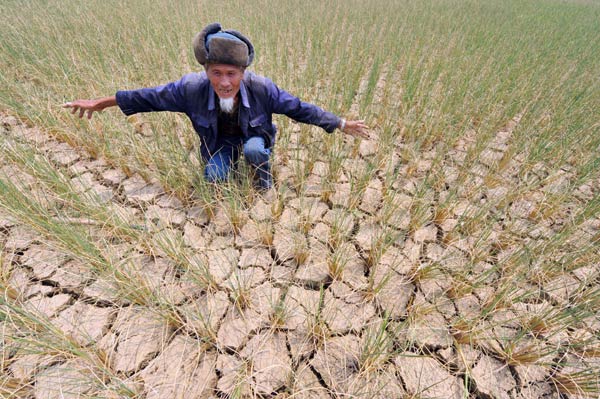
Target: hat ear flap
[{"x": 199, "y": 42}]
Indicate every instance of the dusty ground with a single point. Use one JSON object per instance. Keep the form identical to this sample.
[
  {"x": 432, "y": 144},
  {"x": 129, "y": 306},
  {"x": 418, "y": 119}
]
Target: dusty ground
[{"x": 278, "y": 318}]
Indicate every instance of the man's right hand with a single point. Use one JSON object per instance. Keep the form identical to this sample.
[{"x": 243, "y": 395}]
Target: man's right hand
[
  {"x": 90, "y": 106},
  {"x": 357, "y": 129}
]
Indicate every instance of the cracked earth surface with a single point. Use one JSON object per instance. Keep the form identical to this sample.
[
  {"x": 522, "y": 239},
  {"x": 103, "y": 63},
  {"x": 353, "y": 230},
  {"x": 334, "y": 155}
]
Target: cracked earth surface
[{"x": 301, "y": 301}]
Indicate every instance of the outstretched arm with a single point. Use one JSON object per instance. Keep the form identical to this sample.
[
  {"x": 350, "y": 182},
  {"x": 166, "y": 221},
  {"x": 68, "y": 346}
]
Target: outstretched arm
[
  {"x": 283, "y": 102},
  {"x": 90, "y": 106}
]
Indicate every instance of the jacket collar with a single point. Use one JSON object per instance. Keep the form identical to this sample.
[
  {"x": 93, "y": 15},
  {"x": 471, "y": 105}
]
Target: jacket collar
[
  {"x": 211, "y": 97},
  {"x": 244, "y": 95}
]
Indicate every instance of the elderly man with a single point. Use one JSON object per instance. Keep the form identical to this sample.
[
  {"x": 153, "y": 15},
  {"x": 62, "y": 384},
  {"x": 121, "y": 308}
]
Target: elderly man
[{"x": 230, "y": 108}]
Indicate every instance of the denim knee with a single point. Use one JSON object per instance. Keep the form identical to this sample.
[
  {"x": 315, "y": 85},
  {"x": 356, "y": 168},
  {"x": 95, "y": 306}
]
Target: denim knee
[
  {"x": 218, "y": 167},
  {"x": 255, "y": 152},
  {"x": 214, "y": 174}
]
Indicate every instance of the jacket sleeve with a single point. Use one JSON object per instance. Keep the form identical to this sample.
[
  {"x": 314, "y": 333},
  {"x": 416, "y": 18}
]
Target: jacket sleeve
[
  {"x": 283, "y": 102},
  {"x": 169, "y": 97}
]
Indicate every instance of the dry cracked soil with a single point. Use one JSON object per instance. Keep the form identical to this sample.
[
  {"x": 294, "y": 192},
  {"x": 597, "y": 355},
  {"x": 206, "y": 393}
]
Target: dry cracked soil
[{"x": 297, "y": 301}]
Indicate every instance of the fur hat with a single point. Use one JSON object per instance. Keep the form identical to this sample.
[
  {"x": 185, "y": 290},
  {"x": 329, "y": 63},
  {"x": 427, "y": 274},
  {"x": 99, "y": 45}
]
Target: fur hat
[{"x": 217, "y": 46}]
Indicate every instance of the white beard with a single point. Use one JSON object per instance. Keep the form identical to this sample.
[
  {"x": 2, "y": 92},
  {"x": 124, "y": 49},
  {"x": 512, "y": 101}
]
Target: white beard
[{"x": 226, "y": 104}]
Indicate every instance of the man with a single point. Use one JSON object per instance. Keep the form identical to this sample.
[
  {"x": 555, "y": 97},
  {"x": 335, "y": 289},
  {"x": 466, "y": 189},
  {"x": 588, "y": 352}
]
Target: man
[{"x": 241, "y": 119}]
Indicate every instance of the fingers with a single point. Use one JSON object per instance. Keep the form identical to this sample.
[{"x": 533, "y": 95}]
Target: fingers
[
  {"x": 80, "y": 106},
  {"x": 362, "y": 134},
  {"x": 358, "y": 129},
  {"x": 361, "y": 125},
  {"x": 74, "y": 108}
]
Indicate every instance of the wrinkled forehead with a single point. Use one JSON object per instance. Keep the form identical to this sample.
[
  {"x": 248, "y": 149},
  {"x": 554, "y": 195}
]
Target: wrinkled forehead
[{"x": 223, "y": 67}]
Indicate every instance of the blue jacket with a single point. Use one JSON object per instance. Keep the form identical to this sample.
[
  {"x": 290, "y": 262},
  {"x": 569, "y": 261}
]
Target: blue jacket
[{"x": 194, "y": 96}]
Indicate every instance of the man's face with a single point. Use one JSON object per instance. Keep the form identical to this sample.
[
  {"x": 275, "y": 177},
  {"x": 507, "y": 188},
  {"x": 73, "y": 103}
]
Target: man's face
[{"x": 225, "y": 79}]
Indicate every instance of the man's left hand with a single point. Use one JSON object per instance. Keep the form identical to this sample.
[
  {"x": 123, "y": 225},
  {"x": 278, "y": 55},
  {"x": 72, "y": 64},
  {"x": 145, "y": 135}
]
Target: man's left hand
[{"x": 357, "y": 129}]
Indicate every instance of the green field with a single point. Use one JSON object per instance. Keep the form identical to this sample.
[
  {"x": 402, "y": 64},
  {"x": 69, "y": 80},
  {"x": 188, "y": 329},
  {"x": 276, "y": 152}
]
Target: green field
[{"x": 456, "y": 253}]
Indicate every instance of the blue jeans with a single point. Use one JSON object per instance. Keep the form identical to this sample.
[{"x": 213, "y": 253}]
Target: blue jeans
[{"x": 220, "y": 164}]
